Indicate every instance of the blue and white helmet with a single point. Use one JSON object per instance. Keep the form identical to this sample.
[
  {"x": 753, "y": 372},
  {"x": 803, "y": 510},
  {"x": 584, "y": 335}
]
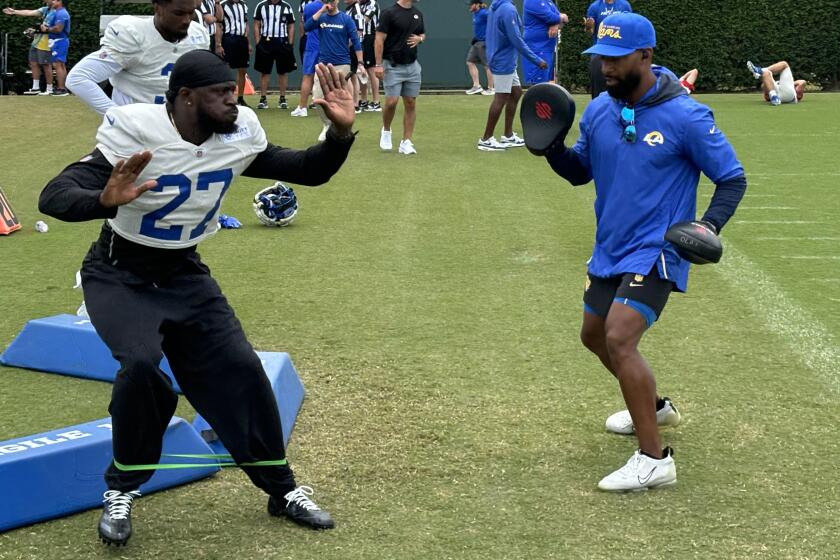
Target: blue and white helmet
[{"x": 276, "y": 205}]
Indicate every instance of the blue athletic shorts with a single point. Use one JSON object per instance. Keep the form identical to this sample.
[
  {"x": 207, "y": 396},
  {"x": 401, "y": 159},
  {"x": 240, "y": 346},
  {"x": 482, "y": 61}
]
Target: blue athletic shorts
[
  {"x": 58, "y": 49},
  {"x": 310, "y": 59}
]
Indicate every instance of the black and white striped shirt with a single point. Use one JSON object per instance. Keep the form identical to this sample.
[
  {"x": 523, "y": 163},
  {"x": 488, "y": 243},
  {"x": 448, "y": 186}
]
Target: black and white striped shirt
[
  {"x": 371, "y": 13},
  {"x": 355, "y": 12},
  {"x": 236, "y": 17},
  {"x": 274, "y": 18},
  {"x": 208, "y": 8}
]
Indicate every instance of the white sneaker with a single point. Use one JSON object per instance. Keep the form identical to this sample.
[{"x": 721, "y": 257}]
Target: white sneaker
[
  {"x": 491, "y": 145},
  {"x": 32, "y": 91},
  {"x": 489, "y": 91},
  {"x": 473, "y": 90},
  {"x": 407, "y": 147},
  {"x": 49, "y": 91},
  {"x": 323, "y": 135},
  {"x": 385, "y": 142},
  {"x": 300, "y": 112},
  {"x": 621, "y": 423},
  {"x": 774, "y": 98},
  {"x": 512, "y": 141},
  {"x": 642, "y": 472}
]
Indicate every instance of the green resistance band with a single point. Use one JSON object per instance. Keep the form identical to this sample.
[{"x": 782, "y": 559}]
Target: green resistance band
[{"x": 219, "y": 461}]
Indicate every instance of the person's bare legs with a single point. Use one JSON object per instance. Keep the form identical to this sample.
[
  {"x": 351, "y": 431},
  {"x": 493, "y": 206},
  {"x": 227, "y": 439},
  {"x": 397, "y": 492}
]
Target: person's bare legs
[
  {"x": 510, "y": 109},
  {"x": 373, "y": 82},
  {"x": 388, "y": 112},
  {"x": 240, "y": 81},
  {"x": 60, "y": 74},
  {"x": 490, "y": 83},
  {"x": 305, "y": 90},
  {"x": 35, "y": 68},
  {"x": 410, "y": 116},
  {"x": 283, "y": 83},
  {"x": 473, "y": 70},
  {"x": 264, "y": 78},
  {"x": 624, "y": 328},
  {"x": 500, "y": 101}
]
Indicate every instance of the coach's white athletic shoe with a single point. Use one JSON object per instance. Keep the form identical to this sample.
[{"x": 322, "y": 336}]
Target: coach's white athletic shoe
[
  {"x": 407, "y": 148},
  {"x": 323, "y": 135},
  {"x": 300, "y": 112},
  {"x": 512, "y": 141},
  {"x": 642, "y": 472},
  {"x": 756, "y": 70},
  {"x": 491, "y": 145},
  {"x": 621, "y": 423},
  {"x": 473, "y": 90},
  {"x": 385, "y": 142},
  {"x": 489, "y": 91}
]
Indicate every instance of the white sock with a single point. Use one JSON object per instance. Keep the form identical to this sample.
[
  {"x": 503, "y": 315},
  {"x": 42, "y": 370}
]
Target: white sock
[
  {"x": 49, "y": 88},
  {"x": 36, "y": 84},
  {"x": 773, "y": 93}
]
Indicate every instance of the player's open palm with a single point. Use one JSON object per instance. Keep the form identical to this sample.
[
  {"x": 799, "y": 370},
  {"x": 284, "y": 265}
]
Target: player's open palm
[
  {"x": 120, "y": 188},
  {"x": 337, "y": 103}
]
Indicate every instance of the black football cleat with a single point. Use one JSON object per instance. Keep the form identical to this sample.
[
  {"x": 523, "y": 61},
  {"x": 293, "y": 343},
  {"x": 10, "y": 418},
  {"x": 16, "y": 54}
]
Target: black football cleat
[
  {"x": 297, "y": 506},
  {"x": 115, "y": 522}
]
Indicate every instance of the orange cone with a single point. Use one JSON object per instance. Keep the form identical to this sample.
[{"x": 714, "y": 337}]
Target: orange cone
[
  {"x": 249, "y": 86},
  {"x": 8, "y": 220}
]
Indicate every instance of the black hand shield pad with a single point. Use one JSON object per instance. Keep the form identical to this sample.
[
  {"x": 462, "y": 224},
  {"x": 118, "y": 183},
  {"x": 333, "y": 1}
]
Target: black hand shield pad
[
  {"x": 547, "y": 114},
  {"x": 695, "y": 242}
]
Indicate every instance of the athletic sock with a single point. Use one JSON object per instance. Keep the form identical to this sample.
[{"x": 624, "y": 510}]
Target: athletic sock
[{"x": 36, "y": 84}]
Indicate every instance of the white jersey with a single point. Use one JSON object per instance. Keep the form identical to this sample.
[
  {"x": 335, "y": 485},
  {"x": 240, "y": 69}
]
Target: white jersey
[
  {"x": 183, "y": 208},
  {"x": 146, "y": 57}
]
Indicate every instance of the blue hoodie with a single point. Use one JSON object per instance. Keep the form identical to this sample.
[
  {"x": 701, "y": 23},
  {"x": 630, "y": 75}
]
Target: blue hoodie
[{"x": 504, "y": 38}]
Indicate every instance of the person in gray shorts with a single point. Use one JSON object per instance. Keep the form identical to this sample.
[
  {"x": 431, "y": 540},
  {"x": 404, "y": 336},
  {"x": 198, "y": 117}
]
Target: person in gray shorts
[
  {"x": 39, "y": 52},
  {"x": 478, "y": 49},
  {"x": 399, "y": 33}
]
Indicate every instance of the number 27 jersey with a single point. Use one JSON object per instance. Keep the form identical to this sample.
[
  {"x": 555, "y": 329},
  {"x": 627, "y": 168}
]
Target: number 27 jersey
[{"x": 184, "y": 207}]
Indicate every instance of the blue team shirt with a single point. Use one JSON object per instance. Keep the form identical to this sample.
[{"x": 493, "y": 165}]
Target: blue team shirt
[
  {"x": 334, "y": 35},
  {"x": 600, "y": 9},
  {"x": 312, "y": 44},
  {"x": 645, "y": 187},
  {"x": 59, "y": 16},
  {"x": 538, "y": 16},
  {"x": 479, "y": 19}
]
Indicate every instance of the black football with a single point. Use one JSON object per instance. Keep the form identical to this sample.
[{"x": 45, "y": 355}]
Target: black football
[{"x": 695, "y": 242}]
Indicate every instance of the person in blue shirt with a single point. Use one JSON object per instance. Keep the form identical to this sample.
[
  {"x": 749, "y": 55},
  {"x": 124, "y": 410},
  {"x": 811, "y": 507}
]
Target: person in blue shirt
[
  {"x": 478, "y": 49},
  {"x": 504, "y": 45},
  {"x": 57, "y": 24},
  {"x": 644, "y": 143},
  {"x": 309, "y": 57},
  {"x": 336, "y": 30},
  {"x": 595, "y": 14},
  {"x": 543, "y": 22}
]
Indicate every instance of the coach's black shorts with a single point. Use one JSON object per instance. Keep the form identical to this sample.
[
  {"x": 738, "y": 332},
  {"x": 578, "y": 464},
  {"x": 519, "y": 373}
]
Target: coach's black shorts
[
  {"x": 646, "y": 294},
  {"x": 368, "y": 53},
  {"x": 354, "y": 62},
  {"x": 236, "y": 50},
  {"x": 271, "y": 52}
]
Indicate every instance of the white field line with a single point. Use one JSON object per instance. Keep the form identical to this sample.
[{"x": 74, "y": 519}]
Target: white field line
[
  {"x": 824, "y": 280},
  {"x": 748, "y": 195},
  {"x": 812, "y": 174},
  {"x": 783, "y": 222},
  {"x": 766, "y": 207},
  {"x": 811, "y": 257},
  {"x": 796, "y": 238},
  {"x": 802, "y": 333}
]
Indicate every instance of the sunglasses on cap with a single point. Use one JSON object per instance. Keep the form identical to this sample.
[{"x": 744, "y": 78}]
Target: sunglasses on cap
[{"x": 628, "y": 121}]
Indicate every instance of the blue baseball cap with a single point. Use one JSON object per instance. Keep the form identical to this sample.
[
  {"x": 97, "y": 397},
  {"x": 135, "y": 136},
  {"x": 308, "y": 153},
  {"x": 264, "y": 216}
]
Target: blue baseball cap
[{"x": 623, "y": 33}]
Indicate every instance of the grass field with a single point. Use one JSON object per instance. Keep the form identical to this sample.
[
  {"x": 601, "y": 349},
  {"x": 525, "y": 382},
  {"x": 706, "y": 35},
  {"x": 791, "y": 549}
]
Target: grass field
[{"x": 432, "y": 306}]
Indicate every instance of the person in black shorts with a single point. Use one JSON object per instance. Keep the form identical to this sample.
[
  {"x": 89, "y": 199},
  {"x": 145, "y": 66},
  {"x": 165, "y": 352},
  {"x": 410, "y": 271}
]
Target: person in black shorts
[
  {"x": 274, "y": 32},
  {"x": 232, "y": 42},
  {"x": 370, "y": 11}
]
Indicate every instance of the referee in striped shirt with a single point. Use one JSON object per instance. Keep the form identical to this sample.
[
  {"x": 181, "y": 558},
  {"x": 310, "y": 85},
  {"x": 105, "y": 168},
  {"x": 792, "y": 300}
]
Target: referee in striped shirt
[
  {"x": 232, "y": 42},
  {"x": 274, "y": 32},
  {"x": 208, "y": 9}
]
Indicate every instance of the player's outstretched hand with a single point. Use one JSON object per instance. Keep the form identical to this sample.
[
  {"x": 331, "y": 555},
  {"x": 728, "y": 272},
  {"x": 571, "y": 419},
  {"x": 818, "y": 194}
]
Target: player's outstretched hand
[
  {"x": 337, "y": 103},
  {"x": 120, "y": 188}
]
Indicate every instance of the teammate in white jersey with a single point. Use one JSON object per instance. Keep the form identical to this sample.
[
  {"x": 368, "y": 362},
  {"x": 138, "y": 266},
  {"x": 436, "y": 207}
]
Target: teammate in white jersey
[
  {"x": 158, "y": 175},
  {"x": 137, "y": 55}
]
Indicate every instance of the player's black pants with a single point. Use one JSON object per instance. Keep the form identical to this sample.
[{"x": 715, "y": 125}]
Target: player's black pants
[{"x": 145, "y": 302}]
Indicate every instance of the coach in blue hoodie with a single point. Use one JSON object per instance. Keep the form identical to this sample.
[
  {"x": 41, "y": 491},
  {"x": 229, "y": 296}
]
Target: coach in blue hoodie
[{"x": 504, "y": 44}]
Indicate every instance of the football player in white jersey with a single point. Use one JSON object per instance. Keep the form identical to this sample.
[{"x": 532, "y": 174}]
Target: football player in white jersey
[
  {"x": 158, "y": 176},
  {"x": 137, "y": 54}
]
